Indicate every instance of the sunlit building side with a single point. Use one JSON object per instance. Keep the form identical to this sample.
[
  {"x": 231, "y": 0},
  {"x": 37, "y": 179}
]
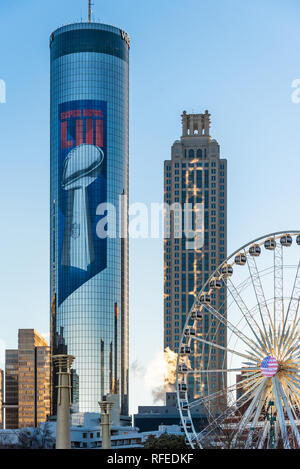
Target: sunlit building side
[
  {"x": 195, "y": 175},
  {"x": 27, "y": 381}
]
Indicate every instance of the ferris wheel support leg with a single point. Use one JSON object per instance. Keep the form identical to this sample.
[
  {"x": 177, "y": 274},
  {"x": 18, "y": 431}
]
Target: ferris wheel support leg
[
  {"x": 249, "y": 411},
  {"x": 255, "y": 419},
  {"x": 289, "y": 412},
  {"x": 264, "y": 436},
  {"x": 280, "y": 413}
]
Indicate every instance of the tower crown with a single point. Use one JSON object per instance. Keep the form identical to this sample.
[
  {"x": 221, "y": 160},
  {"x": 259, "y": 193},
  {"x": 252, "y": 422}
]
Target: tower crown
[{"x": 195, "y": 124}]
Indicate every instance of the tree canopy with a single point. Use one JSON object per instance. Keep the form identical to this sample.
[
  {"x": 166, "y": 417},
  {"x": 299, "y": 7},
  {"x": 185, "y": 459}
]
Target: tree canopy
[{"x": 165, "y": 441}]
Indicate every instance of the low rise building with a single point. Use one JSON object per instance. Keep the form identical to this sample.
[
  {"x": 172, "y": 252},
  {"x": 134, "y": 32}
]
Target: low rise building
[
  {"x": 149, "y": 418},
  {"x": 85, "y": 434}
]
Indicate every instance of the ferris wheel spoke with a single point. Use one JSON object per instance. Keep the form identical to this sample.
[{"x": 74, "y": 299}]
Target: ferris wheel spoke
[
  {"x": 293, "y": 355},
  {"x": 294, "y": 387},
  {"x": 220, "y": 347},
  {"x": 240, "y": 402},
  {"x": 291, "y": 337},
  {"x": 291, "y": 397},
  {"x": 280, "y": 413},
  {"x": 250, "y": 343},
  {"x": 255, "y": 418},
  {"x": 293, "y": 384},
  {"x": 251, "y": 385},
  {"x": 294, "y": 334},
  {"x": 284, "y": 341},
  {"x": 222, "y": 370},
  {"x": 288, "y": 407},
  {"x": 246, "y": 314},
  {"x": 264, "y": 436},
  {"x": 260, "y": 294},
  {"x": 278, "y": 287},
  {"x": 293, "y": 351},
  {"x": 296, "y": 318},
  {"x": 205, "y": 345},
  {"x": 210, "y": 352},
  {"x": 248, "y": 379},
  {"x": 215, "y": 395},
  {"x": 223, "y": 392},
  {"x": 229, "y": 411}
]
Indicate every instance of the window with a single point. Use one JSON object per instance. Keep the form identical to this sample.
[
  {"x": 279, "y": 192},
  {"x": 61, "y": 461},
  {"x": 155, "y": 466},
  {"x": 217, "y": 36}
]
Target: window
[{"x": 75, "y": 444}]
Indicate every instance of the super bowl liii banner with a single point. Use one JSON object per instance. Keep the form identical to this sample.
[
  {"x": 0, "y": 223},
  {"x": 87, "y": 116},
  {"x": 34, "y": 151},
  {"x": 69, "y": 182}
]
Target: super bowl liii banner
[{"x": 82, "y": 187}]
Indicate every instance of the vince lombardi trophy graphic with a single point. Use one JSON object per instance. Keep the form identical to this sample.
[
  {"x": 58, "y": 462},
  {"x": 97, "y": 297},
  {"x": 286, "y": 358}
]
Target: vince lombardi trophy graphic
[{"x": 81, "y": 168}]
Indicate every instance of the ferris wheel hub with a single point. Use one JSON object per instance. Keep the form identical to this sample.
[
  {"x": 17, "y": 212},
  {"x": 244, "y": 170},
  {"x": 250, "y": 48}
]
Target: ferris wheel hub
[{"x": 269, "y": 367}]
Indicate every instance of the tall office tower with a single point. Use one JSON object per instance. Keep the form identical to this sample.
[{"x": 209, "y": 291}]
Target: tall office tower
[
  {"x": 27, "y": 381},
  {"x": 1, "y": 398},
  {"x": 194, "y": 175},
  {"x": 89, "y": 174},
  {"x": 11, "y": 389}
]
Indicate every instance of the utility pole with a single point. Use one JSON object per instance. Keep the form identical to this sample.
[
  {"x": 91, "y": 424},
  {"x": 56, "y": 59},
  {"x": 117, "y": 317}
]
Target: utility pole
[{"x": 63, "y": 363}]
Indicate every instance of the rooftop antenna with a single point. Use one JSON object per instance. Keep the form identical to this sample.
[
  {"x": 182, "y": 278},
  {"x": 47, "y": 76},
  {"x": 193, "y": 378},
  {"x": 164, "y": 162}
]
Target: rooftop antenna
[{"x": 90, "y": 11}]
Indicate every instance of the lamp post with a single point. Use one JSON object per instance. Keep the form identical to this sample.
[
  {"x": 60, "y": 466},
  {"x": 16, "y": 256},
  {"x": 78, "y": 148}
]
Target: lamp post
[
  {"x": 105, "y": 407},
  {"x": 63, "y": 363}
]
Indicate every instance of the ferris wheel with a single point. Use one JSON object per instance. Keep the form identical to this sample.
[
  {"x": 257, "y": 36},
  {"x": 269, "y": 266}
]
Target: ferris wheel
[{"x": 239, "y": 358}]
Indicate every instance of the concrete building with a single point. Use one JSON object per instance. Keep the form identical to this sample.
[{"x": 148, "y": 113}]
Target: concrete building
[
  {"x": 195, "y": 175},
  {"x": 85, "y": 434},
  {"x": 27, "y": 381}
]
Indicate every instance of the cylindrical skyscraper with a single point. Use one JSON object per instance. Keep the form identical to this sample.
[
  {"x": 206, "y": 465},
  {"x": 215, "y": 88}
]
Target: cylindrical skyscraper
[{"x": 89, "y": 169}]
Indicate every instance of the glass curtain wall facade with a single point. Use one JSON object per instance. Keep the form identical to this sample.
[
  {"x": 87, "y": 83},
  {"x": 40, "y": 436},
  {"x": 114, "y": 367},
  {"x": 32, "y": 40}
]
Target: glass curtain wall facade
[
  {"x": 196, "y": 175},
  {"x": 33, "y": 378},
  {"x": 89, "y": 168},
  {"x": 11, "y": 389}
]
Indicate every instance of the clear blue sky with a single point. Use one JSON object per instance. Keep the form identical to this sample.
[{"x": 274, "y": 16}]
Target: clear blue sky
[{"x": 236, "y": 58}]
